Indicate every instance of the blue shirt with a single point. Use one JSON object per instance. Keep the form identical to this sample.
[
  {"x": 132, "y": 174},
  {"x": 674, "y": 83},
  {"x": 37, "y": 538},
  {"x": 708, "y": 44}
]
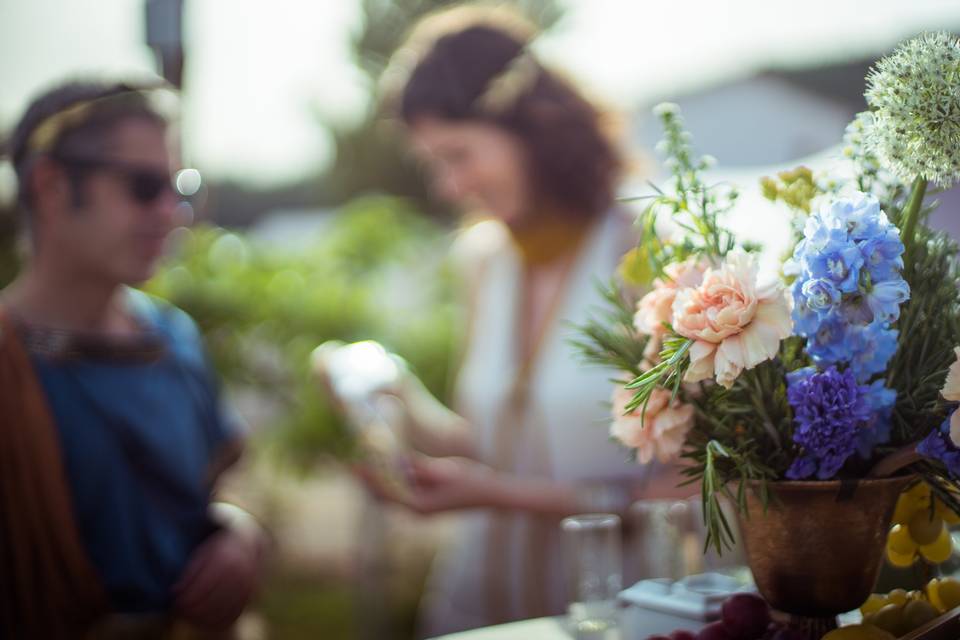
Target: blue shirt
[{"x": 138, "y": 439}]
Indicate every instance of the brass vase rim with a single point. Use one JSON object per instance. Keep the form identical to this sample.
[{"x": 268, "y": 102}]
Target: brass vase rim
[{"x": 832, "y": 485}]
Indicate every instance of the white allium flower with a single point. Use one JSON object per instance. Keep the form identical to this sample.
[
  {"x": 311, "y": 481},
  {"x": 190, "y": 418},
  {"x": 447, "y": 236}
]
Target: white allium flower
[
  {"x": 874, "y": 176},
  {"x": 856, "y": 134},
  {"x": 666, "y": 109},
  {"x": 914, "y": 94}
]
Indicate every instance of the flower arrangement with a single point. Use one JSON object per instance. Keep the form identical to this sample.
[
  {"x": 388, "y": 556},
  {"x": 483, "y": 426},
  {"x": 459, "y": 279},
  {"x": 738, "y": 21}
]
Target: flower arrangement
[{"x": 848, "y": 357}]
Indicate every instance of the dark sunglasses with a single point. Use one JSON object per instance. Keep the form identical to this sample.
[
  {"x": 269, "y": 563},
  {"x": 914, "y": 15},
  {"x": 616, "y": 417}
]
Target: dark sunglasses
[{"x": 144, "y": 184}]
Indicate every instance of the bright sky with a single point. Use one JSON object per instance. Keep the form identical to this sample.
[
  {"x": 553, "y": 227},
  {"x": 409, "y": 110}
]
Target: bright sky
[
  {"x": 635, "y": 49},
  {"x": 262, "y": 75}
]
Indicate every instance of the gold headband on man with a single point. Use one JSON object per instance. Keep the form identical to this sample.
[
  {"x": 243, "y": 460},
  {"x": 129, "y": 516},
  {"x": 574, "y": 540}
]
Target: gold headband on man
[
  {"x": 45, "y": 136},
  {"x": 48, "y": 132},
  {"x": 503, "y": 89}
]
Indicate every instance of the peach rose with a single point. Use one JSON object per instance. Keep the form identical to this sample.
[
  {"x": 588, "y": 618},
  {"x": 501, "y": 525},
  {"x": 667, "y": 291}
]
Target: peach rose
[
  {"x": 735, "y": 323},
  {"x": 656, "y": 307},
  {"x": 660, "y": 434}
]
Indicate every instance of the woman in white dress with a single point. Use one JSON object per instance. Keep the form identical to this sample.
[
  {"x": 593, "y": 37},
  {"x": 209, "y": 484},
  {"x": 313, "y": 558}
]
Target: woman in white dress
[{"x": 527, "y": 444}]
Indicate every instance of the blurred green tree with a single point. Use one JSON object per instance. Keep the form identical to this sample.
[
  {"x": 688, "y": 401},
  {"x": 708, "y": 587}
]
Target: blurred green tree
[{"x": 374, "y": 270}]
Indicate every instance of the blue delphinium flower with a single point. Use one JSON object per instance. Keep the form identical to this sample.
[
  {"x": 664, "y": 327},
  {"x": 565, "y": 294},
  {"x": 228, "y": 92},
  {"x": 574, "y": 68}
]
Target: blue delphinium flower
[
  {"x": 865, "y": 349},
  {"x": 876, "y": 431},
  {"x": 856, "y": 311},
  {"x": 873, "y": 345},
  {"x": 848, "y": 288},
  {"x": 836, "y": 259},
  {"x": 884, "y": 298},
  {"x": 937, "y": 445},
  {"x": 882, "y": 255},
  {"x": 821, "y": 294},
  {"x": 833, "y": 341},
  {"x": 859, "y": 214},
  {"x": 805, "y": 319},
  {"x": 830, "y": 410},
  {"x": 851, "y": 245}
]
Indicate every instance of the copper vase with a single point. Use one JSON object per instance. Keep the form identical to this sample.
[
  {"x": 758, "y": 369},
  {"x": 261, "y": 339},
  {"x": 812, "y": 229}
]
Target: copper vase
[{"x": 817, "y": 550}]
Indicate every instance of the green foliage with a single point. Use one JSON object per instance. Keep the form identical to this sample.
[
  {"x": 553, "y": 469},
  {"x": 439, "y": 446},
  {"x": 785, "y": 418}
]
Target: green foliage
[
  {"x": 668, "y": 372},
  {"x": 371, "y": 272},
  {"x": 795, "y": 188},
  {"x": 742, "y": 435},
  {"x": 609, "y": 338},
  {"x": 929, "y": 330},
  {"x": 635, "y": 266},
  {"x": 693, "y": 206},
  {"x": 713, "y": 464}
]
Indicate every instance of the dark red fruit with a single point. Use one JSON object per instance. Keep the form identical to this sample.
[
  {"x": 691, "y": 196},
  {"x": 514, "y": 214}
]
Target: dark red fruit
[
  {"x": 658, "y": 638},
  {"x": 717, "y": 631},
  {"x": 683, "y": 635},
  {"x": 746, "y": 615}
]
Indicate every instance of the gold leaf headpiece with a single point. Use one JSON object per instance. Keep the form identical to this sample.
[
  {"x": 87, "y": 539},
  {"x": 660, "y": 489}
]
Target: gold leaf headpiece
[
  {"x": 503, "y": 89},
  {"x": 45, "y": 136}
]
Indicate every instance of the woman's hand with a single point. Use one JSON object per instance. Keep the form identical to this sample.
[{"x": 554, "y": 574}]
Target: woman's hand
[
  {"x": 220, "y": 580},
  {"x": 441, "y": 484},
  {"x": 224, "y": 572}
]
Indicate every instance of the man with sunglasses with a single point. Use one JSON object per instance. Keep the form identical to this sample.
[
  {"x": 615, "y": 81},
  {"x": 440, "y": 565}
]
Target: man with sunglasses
[{"x": 112, "y": 434}]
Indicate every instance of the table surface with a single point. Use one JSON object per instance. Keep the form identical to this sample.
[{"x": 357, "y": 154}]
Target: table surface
[
  {"x": 539, "y": 628},
  {"x": 946, "y": 627}
]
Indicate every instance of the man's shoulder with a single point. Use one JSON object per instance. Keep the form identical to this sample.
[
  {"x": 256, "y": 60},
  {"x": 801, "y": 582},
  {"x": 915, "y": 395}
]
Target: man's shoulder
[{"x": 166, "y": 318}]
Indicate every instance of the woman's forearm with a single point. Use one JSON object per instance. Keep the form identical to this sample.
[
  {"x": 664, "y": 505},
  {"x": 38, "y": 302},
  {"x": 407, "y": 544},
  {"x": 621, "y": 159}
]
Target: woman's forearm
[
  {"x": 449, "y": 436},
  {"x": 541, "y": 497},
  {"x": 431, "y": 427},
  {"x": 551, "y": 498}
]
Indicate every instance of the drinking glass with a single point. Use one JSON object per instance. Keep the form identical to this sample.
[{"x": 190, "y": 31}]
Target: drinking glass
[{"x": 592, "y": 553}]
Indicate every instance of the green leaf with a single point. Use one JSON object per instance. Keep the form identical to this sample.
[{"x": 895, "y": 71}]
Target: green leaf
[{"x": 635, "y": 267}]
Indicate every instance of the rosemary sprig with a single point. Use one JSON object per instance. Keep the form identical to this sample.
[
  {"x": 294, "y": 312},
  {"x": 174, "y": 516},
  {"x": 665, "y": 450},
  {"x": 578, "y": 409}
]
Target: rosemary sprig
[
  {"x": 669, "y": 372},
  {"x": 608, "y": 338}
]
